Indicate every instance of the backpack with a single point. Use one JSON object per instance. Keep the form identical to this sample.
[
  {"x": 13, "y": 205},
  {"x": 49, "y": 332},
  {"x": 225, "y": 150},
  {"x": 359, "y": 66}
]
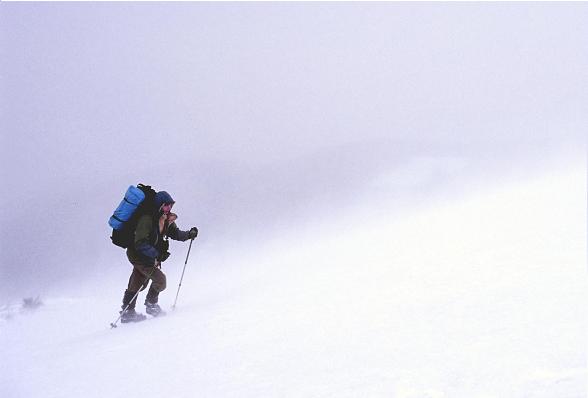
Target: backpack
[{"x": 137, "y": 201}]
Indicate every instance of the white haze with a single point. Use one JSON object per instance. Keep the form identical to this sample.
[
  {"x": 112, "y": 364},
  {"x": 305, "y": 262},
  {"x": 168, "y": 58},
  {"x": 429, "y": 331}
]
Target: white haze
[
  {"x": 391, "y": 197},
  {"x": 260, "y": 116}
]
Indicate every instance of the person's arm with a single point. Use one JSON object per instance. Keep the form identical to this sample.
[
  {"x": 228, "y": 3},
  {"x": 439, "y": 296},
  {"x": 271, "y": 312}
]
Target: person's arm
[{"x": 177, "y": 234}]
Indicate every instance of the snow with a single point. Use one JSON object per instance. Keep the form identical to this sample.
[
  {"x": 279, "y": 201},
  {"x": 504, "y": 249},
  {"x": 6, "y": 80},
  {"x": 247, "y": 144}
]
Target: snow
[
  {"x": 385, "y": 198},
  {"x": 481, "y": 296}
]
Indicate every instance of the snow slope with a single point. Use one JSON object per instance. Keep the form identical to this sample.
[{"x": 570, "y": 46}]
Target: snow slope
[{"x": 478, "y": 297}]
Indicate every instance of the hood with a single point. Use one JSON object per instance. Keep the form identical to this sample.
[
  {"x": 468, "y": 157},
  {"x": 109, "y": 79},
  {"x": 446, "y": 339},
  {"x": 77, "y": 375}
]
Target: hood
[{"x": 162, "y": 197}]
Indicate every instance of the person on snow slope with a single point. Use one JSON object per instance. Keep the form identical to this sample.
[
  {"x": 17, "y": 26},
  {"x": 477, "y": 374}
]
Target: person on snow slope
[{"x": 150, "y": 249}]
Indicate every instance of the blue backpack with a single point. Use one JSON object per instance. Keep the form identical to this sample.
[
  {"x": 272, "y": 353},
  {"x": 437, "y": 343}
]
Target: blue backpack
[{"x": 137, "y": 201}]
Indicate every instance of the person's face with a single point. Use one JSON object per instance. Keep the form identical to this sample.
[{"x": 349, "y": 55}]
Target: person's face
[{"x": 167, "y": 208}]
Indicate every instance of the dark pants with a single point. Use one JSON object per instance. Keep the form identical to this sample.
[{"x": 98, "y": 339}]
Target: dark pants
[{"x": 139, "y": 280}]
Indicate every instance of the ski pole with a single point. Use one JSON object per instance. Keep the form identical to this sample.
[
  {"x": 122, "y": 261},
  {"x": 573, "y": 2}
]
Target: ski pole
[
  {"x": 182, "y": 277},
  {"x": 113, "y": 324}
]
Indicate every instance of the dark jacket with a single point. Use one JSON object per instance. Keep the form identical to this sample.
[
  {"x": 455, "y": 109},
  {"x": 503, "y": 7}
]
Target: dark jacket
[{"x": 150, "y": 242}]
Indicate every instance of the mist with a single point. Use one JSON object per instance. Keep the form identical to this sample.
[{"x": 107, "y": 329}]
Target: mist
[{"x": 264, "y": 119}]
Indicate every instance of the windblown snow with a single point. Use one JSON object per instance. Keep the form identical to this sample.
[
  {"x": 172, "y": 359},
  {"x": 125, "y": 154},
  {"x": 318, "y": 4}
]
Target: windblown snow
[{"x": 478, "y": 297}]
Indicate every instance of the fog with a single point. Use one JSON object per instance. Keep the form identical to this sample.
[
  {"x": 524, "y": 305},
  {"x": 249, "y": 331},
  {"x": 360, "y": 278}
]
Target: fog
[{"x": 264, "y": 118}]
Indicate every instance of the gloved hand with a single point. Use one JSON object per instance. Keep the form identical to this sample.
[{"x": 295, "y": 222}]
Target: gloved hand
[
  {"x": 193, "y": 233},
  {"x": 164, "y": 256}
]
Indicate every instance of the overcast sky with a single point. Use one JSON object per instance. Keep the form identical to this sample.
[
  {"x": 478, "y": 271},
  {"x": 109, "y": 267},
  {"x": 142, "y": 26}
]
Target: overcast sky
[{"x": 251, "y": 112}]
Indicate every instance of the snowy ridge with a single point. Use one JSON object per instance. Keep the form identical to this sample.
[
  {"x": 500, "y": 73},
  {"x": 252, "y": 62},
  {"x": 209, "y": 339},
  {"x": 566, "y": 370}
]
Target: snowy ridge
[{"x": 478, "y": 298}]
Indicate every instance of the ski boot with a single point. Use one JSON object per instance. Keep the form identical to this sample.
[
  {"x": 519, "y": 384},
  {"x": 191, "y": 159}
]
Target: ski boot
[
  {"x": 129, "y": 300},
  {"x": 130, "y": 315},
  {"x": 153, "y": 309}
]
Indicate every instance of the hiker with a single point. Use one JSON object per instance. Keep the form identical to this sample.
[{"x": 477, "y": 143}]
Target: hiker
[{"x": 149, "y": 250}]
